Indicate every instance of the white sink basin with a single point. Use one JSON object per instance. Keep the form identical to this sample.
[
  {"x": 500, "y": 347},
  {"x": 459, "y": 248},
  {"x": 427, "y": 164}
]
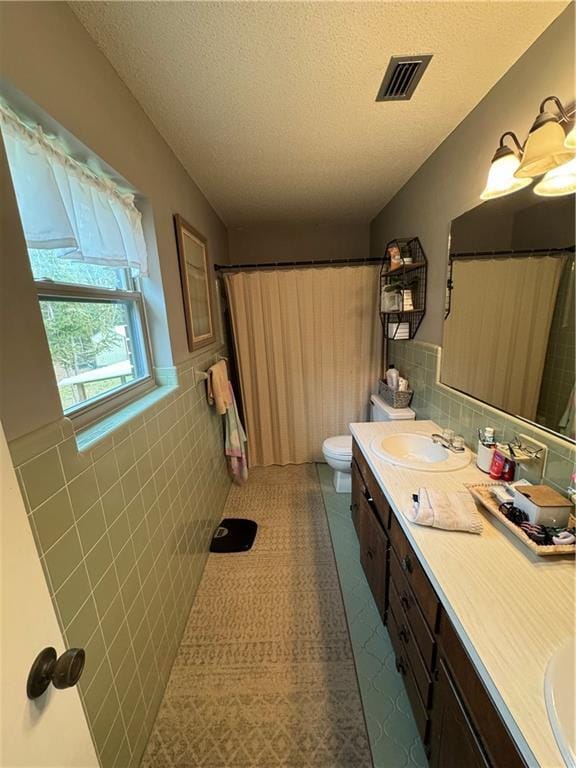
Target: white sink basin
[
  {"x": 560, "y": 695},
  {"x": 414, "y": 451}
]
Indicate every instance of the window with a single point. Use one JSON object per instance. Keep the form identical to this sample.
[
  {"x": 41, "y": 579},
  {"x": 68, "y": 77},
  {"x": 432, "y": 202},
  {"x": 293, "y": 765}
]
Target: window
[
  {"x": 94, "y": 323},
  {"x": 87, "y": 254}
]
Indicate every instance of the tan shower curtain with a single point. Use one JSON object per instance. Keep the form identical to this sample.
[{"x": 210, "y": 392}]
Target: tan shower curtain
[
  {"x": 308, "y": 343},
  {"x": 496, "y": 335}
]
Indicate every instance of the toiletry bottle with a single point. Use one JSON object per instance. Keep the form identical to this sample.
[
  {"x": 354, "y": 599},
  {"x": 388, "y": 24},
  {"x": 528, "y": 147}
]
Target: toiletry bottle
[
  {"x": 392, "y": 377},
  {"x": 497, "y": 465},
  {"x": 508, "y": 470},
  {"x": 402, "y": 385},
  {"x": 395, "y": 257}
]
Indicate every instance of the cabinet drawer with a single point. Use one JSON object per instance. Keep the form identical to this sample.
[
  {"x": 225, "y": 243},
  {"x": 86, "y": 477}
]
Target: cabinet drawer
[
  {"x": 403, "y": 666},
  {"x": 380, "y": 501},
  {"x": 424, "y": 638},
  {"x": 411, "y": 652},
  {"x": 414, "y": 574}
]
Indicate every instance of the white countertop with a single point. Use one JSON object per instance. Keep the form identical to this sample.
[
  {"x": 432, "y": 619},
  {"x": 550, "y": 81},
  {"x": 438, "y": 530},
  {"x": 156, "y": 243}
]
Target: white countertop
[{"x": 512, "y": 609}]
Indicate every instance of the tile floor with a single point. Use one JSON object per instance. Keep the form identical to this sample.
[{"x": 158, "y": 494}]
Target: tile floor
[{"x": 391, "y": 729}]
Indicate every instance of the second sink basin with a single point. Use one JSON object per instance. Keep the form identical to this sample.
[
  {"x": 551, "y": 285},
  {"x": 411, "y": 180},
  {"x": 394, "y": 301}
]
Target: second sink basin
[
  {"x": 561, "y": 699},
  {"x": 414, "y": 451}
]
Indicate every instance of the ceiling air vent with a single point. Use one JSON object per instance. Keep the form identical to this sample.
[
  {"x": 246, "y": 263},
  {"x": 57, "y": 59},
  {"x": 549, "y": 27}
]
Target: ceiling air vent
[{"x": 402, "y": 76}]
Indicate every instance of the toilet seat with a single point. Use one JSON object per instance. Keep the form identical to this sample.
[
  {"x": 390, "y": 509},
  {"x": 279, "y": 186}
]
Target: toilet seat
[{"x": 339, "y": 447}]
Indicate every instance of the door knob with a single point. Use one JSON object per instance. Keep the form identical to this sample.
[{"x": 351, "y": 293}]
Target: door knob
[{"x": 62, "y": 671}]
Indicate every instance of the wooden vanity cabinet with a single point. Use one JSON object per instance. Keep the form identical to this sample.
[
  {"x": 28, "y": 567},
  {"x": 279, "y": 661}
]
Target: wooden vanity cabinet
[{"x": 459, "y": 725}]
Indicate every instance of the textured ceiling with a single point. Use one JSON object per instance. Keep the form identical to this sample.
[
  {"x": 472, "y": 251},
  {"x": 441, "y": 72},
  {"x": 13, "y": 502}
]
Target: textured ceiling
[{"x": 270, "y": 105}]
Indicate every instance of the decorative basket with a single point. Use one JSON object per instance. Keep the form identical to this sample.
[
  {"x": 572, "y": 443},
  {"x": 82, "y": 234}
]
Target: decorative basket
[{"x": 393, "y": 397}]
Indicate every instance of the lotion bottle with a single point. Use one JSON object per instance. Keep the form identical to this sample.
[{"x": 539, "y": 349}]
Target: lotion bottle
[{"x": 392, "y": 377}]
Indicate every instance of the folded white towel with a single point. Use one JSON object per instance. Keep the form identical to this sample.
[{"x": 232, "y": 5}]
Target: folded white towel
[{"x": 454, "y": 511}]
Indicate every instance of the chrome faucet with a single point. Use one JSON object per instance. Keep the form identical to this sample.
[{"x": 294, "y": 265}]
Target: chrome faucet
[{"x": 448, "y": 444}]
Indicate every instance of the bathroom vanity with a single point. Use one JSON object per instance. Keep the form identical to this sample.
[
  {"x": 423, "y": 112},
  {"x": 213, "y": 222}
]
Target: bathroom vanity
[{"x": 470, "y": 617}]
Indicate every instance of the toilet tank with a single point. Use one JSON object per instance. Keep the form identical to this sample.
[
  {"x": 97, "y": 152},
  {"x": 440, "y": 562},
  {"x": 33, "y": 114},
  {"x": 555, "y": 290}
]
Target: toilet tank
[{"x": 381, "y": 411}]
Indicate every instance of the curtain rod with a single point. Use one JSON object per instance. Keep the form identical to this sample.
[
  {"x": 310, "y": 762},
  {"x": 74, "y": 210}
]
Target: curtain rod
[
  {"x": 309, "y": 263},
  {"x": 519, "y": 253}
]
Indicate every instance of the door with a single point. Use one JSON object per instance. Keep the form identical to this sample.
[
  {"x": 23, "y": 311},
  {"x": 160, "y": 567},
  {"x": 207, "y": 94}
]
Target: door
[
  {"x": 358, "y": 489},
  {"x": 374, "y": 555},
  {"x": 50, "y": 731},
  {"x": 454, "y": 741}
]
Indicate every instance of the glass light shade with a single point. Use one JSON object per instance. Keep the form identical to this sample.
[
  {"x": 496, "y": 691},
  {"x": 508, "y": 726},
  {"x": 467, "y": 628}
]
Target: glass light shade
[
  {"x": 544, "y": 150},
  {"x": 570, "y": 140},
  {"x": 501, "y": 180},
  {"x": 559, "y": 181}
]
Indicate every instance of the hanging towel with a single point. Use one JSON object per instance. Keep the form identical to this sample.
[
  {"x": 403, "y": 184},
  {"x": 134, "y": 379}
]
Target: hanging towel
[
  {"x": 221, "y": 394},
  {"x": 455, "y": 511},
  {"x": 235, "y": 443},
  {"x": 219, "y": 387}
]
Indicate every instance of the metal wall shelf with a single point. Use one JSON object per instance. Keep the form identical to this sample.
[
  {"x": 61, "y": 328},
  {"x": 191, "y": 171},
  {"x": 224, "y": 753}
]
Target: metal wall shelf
[{"x": 409, "y": 275}]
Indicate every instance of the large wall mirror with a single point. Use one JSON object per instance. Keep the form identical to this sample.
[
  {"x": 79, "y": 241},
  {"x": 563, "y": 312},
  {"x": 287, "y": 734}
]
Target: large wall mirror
[{"x": 509, "y": 330}]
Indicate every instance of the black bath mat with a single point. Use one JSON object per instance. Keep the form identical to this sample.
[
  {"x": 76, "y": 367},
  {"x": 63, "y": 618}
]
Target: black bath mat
[{"x": 234, "y": 535}]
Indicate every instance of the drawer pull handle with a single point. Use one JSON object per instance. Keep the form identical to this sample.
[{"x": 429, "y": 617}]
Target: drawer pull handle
[
  {"x": 370, "y": 553},
  {"x": 353, "y": 507},
  {"x": 400, "y": 666},
  {"x": 405, "y": 602},
  {"x": 368, "y": 496},
  {"x": 404, "y": 634},
  {"x": 407, "y": 564}
]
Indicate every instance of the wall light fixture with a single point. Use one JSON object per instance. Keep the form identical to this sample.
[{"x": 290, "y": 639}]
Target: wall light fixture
[
  {"x": 501, "y": 176},
  {"x": 547, "y": 150}
]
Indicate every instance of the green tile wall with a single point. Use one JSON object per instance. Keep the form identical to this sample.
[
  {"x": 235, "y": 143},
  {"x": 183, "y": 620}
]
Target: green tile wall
[
  {"x": 418, "y": 361},
  {"x": 122, "y": 530}
]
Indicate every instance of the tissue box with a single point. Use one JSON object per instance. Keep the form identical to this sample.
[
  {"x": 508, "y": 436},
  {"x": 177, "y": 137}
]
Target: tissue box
[{"x": 543, "y": 505}]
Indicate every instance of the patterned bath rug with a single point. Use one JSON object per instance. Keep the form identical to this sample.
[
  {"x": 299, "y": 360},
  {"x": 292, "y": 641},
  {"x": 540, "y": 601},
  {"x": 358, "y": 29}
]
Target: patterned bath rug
[{"x": 265, "y": 677}]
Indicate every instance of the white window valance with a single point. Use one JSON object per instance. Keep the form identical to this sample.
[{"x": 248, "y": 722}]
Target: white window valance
[{"x": 65, "y": 206}]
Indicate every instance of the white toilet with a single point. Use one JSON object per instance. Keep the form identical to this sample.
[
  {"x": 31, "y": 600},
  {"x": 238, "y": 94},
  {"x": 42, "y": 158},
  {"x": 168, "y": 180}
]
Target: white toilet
[{"x": 338, "y": 450}]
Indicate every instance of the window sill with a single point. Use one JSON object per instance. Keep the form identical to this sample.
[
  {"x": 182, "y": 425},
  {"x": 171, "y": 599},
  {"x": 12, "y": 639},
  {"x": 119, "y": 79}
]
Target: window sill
[
  {"x": 87, "y": 438},
  {"x": 95, "y": 411}
]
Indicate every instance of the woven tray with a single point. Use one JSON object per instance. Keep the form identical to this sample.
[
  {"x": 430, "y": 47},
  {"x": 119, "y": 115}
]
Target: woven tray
[
  {"x": 393, "y": 397},
  {"x": 482, "y": 493}
]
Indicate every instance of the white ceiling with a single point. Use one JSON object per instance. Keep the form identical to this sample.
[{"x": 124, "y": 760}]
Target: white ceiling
[{"x": 270, "y": 105}]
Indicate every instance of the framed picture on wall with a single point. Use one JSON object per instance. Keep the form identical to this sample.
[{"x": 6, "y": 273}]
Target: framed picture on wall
[{"x": 196, "y": 284}]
